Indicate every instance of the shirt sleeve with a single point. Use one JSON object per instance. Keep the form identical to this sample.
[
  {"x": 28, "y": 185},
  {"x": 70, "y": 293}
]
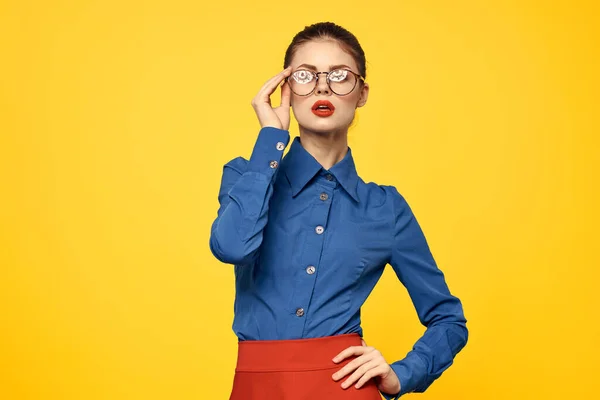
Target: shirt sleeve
[
  {"x": 439, "y": 311},
  {"x": 244, "y": 195}
]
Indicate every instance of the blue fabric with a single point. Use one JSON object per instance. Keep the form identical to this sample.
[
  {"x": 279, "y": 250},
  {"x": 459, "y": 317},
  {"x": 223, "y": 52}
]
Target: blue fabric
[{"x": 294, "y": 280}]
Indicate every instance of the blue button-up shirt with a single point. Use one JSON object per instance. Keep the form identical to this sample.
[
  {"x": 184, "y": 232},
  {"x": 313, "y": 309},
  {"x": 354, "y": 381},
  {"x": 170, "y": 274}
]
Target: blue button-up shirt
[{"x": 308, "y": 246}]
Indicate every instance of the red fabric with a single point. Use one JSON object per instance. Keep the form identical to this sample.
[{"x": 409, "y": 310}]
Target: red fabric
[{"x": 296, "y": 369}]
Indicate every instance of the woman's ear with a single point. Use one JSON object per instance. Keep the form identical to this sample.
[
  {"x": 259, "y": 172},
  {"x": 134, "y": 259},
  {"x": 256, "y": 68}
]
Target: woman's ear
[{"x": 364, "y": 94}]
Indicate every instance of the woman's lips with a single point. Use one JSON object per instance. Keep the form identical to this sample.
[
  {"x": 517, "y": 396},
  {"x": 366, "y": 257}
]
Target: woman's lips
[{"x": 323, "y": 108}]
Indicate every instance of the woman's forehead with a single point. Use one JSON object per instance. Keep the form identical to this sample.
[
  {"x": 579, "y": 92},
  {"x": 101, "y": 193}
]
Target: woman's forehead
[{"x": 322, "y": 55}]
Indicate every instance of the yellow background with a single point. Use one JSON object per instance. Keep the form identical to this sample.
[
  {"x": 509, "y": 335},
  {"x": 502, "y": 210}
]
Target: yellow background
[{"x": 117, "y": 116}]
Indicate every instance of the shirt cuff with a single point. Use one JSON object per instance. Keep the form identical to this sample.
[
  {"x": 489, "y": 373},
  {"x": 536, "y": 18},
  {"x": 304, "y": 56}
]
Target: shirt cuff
[
  {"x": 411, "y": 372},
  {"x": 268, "y": 150},
  {"x": 387, "y": 396}
]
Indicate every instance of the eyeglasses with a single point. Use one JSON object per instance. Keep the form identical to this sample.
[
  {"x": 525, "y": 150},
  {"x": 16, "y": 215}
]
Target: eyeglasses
[{"x": 341, "y": 81}]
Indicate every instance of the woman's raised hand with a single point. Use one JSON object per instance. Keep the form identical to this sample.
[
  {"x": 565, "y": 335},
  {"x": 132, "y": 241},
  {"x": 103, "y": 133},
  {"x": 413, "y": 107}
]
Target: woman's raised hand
[{"x": 278, "y": 117}]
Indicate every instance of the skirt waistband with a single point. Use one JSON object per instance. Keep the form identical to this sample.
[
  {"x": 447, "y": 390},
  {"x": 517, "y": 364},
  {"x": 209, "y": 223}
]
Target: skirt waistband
[{"x": 294, "y": 354}]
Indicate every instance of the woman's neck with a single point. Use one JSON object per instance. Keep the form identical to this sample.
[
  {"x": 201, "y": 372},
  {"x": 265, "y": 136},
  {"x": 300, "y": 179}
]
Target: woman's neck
[{"x": 327, "y": 148}]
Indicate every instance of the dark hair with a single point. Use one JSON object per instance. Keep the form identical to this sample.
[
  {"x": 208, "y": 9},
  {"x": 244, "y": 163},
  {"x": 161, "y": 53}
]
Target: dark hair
[{"x": 328, "y": 31}]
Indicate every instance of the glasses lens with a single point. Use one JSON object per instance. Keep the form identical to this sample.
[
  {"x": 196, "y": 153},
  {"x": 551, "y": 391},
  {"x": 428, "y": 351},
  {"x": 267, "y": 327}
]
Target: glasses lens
[
  {"x": 342, "y": 81},
  {"x": 302, "y": 82}
]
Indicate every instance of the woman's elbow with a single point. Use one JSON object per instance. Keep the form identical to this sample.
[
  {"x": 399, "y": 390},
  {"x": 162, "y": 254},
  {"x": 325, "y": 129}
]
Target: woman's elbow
[
  {"x": 458, "y": 336},
  {"x": 230, "y": 251}
]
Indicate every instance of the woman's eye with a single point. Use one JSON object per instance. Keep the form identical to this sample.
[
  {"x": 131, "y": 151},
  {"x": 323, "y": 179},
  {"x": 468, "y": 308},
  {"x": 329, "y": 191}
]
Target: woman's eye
[
  {"x": 338, "y": 75},
  {"x": 302, "y": 76}
]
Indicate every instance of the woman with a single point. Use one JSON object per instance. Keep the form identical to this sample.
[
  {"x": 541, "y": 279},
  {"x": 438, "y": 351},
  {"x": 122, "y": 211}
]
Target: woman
[{"x": 309, "y": 240}]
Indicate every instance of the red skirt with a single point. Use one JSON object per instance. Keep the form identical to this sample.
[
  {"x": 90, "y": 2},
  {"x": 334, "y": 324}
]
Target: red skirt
[{"x": 296, "y": 369}]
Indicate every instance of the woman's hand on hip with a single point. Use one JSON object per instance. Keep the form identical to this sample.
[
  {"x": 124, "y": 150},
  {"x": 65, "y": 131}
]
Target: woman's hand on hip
[
  {"x": 369, "y": 364},
  {"x": 278, "y": 117}
]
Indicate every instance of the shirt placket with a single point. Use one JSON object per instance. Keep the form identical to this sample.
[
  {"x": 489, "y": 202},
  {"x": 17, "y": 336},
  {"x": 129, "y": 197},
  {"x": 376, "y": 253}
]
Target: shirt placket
[{"x": 322, "y": 191}]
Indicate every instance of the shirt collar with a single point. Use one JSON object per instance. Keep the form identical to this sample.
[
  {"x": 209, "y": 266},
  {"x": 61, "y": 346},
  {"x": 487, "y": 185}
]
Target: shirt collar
[{"x": 300, "y": 167}]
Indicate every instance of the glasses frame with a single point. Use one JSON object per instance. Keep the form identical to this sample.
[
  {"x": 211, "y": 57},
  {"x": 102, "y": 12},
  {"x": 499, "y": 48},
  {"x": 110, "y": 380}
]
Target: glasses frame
[{"x": 316, "y": 74}]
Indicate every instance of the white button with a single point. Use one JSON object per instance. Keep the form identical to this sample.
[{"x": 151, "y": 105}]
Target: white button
[
  {"x": 310, "y": 270},
  {"x": 273, "y": 164},
  {"x": 300, "y": 312},
  {"x": 280, "y": 145},
  {"x": 319, "y": 229},
  {"x": 323, "y": 196}
]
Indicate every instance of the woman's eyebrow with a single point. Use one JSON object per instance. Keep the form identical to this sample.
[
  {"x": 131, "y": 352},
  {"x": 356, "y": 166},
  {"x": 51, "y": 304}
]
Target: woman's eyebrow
[{"x": 331, "y": 67}]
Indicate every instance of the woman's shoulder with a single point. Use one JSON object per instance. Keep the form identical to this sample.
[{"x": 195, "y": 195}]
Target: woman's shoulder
[{"x": 379, "y": 193}]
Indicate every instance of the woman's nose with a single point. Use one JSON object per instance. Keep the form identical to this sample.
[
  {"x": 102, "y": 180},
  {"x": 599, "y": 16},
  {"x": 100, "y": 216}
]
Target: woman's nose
[{"x": 322, "y": 86}]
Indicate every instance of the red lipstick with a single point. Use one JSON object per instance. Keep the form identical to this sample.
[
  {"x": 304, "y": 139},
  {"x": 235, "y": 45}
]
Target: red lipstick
[{"x": 323, "y": 108}]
